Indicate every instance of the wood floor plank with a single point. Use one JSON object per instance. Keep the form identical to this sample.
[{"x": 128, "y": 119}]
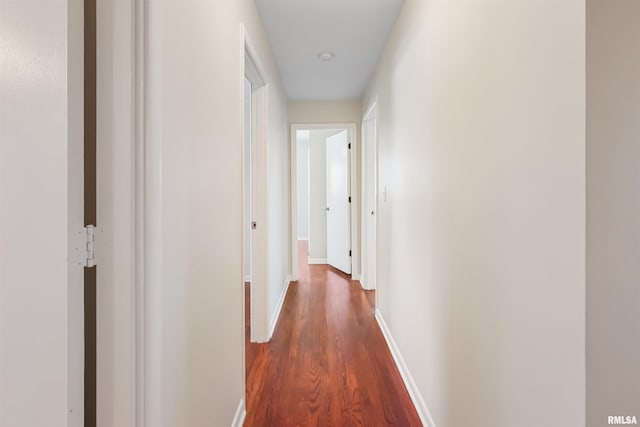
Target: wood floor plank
[{"x": 327, "y": 363}]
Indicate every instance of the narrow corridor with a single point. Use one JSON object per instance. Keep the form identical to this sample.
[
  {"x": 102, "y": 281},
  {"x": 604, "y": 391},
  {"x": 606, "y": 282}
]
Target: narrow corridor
[{"x": 327, "y": 363}]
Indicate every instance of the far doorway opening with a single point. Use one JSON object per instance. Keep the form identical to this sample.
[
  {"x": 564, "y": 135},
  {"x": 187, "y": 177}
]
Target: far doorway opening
[{"x": 325, "y": 195}]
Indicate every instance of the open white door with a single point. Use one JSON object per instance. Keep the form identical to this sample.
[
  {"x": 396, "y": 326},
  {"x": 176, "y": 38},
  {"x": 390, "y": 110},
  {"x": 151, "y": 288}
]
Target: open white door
[
  {"x": 42, "y": 244},
  {"x": 338, "y": 203}
]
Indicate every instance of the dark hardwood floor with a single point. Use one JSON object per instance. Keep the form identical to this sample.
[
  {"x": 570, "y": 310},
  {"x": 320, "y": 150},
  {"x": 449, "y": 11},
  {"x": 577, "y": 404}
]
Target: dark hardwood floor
[{"x": 327, "y": 363}]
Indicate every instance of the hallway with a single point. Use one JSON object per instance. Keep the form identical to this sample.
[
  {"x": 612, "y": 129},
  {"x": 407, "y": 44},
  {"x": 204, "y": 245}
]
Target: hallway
[
  {"x": 149, "y": 160},
  {"x": 327, "y": 363}
]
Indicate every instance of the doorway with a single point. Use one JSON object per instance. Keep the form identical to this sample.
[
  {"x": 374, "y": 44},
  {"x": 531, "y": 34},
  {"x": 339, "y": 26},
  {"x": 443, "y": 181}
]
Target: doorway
[{"x": 323, "y": 195}]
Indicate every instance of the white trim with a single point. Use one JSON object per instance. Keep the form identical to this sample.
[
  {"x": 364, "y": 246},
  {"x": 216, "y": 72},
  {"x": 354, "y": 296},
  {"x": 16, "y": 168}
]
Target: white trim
[
  {"x": 254, "y": 71},
  {"x": 139, "y": 162},
  {"x": 241, "y": 413},
  {"x": 276, "y": 313},
  {"x": 303, "y": 238},
  {"x": 293, "y": 200},
  {"x": 129, "y": 240},
  {"x": 313, "y": 261},
  {"x": 414, "y": 393},
  {"x": 247, "y": 278},
  {"x": 371, "y": 114},
  {"x": 354, "y": 190},
  {"x": 153, "y": 256},
  {"x": 373, "y": 108}
]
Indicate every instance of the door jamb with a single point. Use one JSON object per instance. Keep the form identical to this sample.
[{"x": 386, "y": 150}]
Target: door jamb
[
  {"x": 132, "y": 162},
  {"x": 353, "y": 190},
  {"x": 139, "y": 162},
  {"x": 371, "y": 113},
  {"x": 253, "y": 69}
]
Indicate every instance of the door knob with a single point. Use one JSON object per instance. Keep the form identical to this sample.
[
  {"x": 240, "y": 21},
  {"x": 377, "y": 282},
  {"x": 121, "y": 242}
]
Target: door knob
[
  {"x": 372, "y": 212},
  {"x": 327, "y": 209}
]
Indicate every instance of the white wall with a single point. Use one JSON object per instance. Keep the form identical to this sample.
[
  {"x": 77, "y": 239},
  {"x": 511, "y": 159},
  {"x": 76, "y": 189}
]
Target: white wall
[
  {"x": 194, "y": 132},
  {"x": 346, "y": 111},
  {"x": 613, "y": 209},
  {"x": 41, "y": 213},
  {"x": 481, "y": 236},
  {"x": 302, "y": 186}
]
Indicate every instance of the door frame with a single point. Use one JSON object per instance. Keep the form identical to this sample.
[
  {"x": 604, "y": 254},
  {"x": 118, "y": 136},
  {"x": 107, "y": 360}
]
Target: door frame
[
  {"x": 253, "y": 70},
  {"x": 353, "y": 189},
  {"x": 121, "y": 183},
  {"x": 370, "y": 114}
]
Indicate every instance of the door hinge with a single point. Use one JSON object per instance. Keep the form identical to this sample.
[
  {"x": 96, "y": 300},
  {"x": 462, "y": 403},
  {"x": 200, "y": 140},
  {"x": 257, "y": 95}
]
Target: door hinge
[
  {"x": 349, "y": 146},
  {"x": 90, "y": 233},
  {"x": 349, "y": 252}
]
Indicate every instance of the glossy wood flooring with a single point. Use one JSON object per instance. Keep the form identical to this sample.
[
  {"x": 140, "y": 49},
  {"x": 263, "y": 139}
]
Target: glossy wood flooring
[{"x": 327, "y": 363}]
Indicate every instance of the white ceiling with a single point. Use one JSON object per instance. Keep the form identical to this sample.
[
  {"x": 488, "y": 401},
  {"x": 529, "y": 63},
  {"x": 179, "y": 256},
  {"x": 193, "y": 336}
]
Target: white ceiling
[{"x": 355, "y": 30}]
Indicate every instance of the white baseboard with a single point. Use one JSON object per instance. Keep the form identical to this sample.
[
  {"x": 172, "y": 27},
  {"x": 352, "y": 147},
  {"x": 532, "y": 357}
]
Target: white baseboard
[
  {"x": 241, "y": 413},
  {"x": 276, "y": 313},
  {"x": 247, "y": 279},
  {"x": 317, "y": 261},
  {"x": 414, "y": 393},
  {"x": 358, "y": 278}
]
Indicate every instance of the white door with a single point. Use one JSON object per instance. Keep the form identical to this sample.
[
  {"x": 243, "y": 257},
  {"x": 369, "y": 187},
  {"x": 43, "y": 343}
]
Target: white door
[
  {"x": 369, "y": 166},
  {"x": 338, "y": 203},
  {"x": 41, "y": 214}
]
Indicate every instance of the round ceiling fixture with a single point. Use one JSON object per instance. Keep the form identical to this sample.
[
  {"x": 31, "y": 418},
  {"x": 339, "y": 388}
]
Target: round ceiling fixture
[{"x": 326, "y": 56}]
